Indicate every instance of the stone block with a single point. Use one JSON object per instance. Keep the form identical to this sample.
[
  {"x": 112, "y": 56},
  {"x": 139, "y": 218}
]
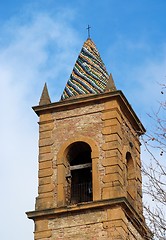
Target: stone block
[
  {"x": 111, "y": 104},
  {"x": 115, "y": 184},
  {"x": 44, "y": 149},
  {"x": 114, "y": 169},
  {"x": 116, "y": 227},
  {"x": 113, "y": 137},
  {"x": 112, "y": 177},
  {"x": 45, "y": 117},
  {"x": 95, "y": 154},
  {"x": 45, "y": 188},
  {"x": 114, "y": 192},
  {"x": 45, "y": 164},
  {"x": 43, "y": 127},
  {"x": 43, "y": 234},
  {"x": 61, "y": 174},
  {"x": 95, "y": 180},
  {"x": 111, "y": 122},
  {"x": 113, "y": 153},
  {"x": 44, "y": 202},
  {"x": 41, "y": 225},
  {"x": 113, "y": 160},
  {"x": 111, "y": 145},
  {"x": 44, "y": 180},
  {"x": 45, "y": 195},
  {"x": 46, "y": 134},
  {"x": 112, "y": 115},
  {"x": 116, "y": 213},
  {"x": 117, "y": 233},
  {"x": 45, "y": 142},
  {"x": 112, "y": 130},
  {"x": 106, "y": 130},
  {"x": 61, "y": 195},
  {"x": 45, "y": 157},
  {"x": 106, "y": 193},
  {"x": 45, "y": 173}
]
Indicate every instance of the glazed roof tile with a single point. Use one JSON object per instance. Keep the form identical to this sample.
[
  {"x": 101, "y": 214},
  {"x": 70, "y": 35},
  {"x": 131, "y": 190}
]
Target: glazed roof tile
[{"x": 89, "y": 75}]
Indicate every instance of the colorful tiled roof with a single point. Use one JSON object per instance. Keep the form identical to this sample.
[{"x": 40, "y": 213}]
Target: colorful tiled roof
[{"x": 89, "y": 74}]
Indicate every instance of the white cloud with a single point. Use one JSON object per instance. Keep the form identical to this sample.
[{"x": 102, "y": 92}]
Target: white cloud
[
  {"x": 149, "y": 76},
  {"x": 138, "y": 69},
  {"x": 38, "y": 50}
]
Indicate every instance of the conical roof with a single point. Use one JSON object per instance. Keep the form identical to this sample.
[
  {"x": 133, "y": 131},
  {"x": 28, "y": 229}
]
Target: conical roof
[{"x": 89, "y": 74}]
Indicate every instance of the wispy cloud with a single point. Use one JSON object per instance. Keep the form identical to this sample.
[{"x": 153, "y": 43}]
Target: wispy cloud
[
  {"x": 32, "y": 52},
  {"x": 139, "y": 70}
]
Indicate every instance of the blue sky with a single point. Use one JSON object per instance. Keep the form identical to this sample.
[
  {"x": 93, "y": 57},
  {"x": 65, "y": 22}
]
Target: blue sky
[{"x": 39, "y": 42}]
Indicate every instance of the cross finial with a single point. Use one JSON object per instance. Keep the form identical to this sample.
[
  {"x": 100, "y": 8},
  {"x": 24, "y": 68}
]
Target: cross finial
[{"x": 88, "y": 28}]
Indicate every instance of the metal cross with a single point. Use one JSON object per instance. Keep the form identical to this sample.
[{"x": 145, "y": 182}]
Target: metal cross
[{"x": 88, "y": 28}]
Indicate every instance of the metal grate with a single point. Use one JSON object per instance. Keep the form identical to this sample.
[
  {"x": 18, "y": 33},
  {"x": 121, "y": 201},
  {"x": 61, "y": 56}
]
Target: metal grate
[{"x": 81, "y": 192}]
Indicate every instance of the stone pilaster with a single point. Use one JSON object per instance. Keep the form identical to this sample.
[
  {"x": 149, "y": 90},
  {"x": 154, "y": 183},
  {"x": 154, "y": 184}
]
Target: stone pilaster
[{"x": 46, "y": 185}]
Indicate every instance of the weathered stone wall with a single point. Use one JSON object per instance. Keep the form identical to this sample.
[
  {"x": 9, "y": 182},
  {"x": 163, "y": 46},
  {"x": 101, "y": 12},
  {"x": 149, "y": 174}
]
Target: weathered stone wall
[
  {"x": 92, "y": 224},
  {"x": 131, "y": 144},
  {"x": 79, "y": 123},
  {"x": 108, "y": 131},
  {"x": 87, "y": 225}
]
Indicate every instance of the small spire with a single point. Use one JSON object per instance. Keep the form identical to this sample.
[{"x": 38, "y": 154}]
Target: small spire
[
  {"x": 45, "y": 98},
  {"x": 110, "y": 84},
  {"x": 88, "y": 28}
]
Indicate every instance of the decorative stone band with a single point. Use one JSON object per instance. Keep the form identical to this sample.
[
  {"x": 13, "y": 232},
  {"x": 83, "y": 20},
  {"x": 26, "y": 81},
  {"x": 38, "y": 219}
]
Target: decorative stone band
[{"x": 89, "y": 74}]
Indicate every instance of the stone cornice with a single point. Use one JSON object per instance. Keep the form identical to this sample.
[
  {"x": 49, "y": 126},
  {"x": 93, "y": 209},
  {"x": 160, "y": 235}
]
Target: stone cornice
[
  {"x": 85, "y": 100},
  {"x": 111, "y": 203}
]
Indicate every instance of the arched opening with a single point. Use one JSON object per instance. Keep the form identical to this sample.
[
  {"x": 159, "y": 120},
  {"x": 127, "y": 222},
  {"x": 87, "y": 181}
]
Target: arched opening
[
  {"x": 79, "y": 174},
  {"x": 130, "y": 177}
]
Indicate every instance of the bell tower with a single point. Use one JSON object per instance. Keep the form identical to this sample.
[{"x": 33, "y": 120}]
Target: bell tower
[{"x": 90, "y": 184}]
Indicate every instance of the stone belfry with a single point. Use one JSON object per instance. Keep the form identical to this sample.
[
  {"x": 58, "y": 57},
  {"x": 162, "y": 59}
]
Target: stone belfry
[{"x": 90, "y": 184}]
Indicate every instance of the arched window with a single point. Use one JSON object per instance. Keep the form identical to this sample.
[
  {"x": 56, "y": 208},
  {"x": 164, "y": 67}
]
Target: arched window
[
  {"x": 79, "y": 173},
  {"x": 130, "y": 177}
]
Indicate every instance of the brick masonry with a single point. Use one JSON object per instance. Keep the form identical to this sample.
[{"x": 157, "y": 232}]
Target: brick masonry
[{"x": 110, "y": 128}]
